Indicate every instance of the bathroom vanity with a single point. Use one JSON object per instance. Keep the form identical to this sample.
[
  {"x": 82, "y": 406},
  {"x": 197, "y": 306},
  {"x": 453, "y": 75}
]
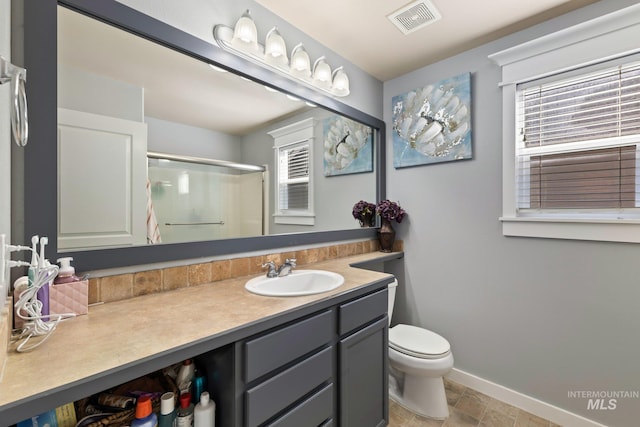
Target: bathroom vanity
[{"x": 295, "y": 361}]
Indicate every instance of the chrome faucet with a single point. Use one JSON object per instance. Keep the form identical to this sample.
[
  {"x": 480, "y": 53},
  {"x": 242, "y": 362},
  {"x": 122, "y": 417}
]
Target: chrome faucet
[
  {"x": 286, "y": 268},
  {"x": 272, "y": 272}
]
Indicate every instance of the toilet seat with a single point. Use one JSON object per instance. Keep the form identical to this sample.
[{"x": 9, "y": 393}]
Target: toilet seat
[{"x": 418, "y": 342}]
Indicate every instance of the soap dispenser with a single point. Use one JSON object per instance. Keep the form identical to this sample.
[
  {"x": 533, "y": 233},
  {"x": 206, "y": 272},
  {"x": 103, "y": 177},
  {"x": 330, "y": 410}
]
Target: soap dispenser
[{"x": 66, "y": 273}]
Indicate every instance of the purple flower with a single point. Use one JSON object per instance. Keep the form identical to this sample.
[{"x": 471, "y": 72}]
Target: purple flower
[
  {"x": 391, "y": 211},
  {"x": 362, "y": 210}
]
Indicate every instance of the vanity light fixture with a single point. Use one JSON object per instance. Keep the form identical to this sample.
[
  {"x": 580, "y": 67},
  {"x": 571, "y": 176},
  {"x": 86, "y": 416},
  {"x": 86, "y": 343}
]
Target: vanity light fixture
[{"x": 242, "y": 40}]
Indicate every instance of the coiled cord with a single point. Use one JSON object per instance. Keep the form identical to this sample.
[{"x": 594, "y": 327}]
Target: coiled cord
[{"x": 29, "y": 308}]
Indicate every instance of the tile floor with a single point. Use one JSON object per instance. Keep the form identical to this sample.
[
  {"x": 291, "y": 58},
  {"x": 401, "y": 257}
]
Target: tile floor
[{"x": 469, "y": 408}]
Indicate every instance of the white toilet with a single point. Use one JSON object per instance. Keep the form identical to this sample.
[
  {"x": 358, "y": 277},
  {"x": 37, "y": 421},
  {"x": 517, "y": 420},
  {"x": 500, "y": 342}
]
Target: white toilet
[{"x": 418, "y": 359}]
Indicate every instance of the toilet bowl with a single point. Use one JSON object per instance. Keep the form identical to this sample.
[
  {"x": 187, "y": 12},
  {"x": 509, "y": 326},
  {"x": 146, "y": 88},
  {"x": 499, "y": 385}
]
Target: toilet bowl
[{"x": 418, "y": 360}]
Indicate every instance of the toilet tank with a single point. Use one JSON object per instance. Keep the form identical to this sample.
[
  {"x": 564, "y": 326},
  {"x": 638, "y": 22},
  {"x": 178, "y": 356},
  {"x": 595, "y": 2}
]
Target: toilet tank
[{"x": 391, "y": 298}]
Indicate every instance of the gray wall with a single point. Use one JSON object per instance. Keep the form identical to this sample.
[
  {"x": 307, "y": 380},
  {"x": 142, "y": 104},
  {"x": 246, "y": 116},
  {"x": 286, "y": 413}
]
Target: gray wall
[
  {"x": 83, "y": 91},
  {"x": 178, "y": 138},
  {"x": 539, "y": 316},
  {"x": 198, "y": 18}
]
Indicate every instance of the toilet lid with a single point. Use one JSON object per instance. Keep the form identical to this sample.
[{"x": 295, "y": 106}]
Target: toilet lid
[{"x": 417, "y": 341}]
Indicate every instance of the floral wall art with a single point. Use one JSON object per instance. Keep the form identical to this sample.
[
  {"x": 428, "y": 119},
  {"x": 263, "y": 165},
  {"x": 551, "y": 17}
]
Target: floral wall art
[
  {"x": 433, "y": 124},
  {"x": 348, "y": 146}
]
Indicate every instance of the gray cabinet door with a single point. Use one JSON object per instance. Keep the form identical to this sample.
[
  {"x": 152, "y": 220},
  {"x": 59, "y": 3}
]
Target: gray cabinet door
[{"x": 364, "y": 397}]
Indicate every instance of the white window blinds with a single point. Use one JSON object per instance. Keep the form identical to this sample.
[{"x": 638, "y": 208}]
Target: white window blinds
[
  {"x": 293, "y": 177},
  {"x": 578, "y": 142}
]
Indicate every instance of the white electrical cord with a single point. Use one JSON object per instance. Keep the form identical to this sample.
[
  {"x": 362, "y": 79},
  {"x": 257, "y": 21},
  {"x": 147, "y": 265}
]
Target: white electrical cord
[{"x": 29, "y": 308}]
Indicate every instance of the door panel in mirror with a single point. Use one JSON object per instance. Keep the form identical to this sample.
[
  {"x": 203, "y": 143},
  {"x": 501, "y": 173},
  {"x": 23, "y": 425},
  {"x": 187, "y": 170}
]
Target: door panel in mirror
[{"x": 101, "y": 182}]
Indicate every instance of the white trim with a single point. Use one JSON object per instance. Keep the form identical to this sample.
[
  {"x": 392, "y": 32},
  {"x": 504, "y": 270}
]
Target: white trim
[
  {"x": 521, "y": 401},
  {"x": 296, "y": 132},
  {"x": 294, "y": 219},
  {"x": 568, "y": 228},
  {"x": 604, "y": 38}
]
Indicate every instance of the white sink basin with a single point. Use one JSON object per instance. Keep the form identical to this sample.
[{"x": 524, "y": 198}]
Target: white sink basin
[{"x": 299, "y": 282}]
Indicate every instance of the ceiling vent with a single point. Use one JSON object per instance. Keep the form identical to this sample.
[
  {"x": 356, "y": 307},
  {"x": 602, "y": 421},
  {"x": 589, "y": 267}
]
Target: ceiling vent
[{"x": 414, "y": 16}]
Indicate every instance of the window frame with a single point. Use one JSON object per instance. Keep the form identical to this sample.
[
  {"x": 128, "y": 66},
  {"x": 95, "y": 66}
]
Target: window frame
[
  {"x": 286, "y": 137},
  {"x": 607, "y": 37}
]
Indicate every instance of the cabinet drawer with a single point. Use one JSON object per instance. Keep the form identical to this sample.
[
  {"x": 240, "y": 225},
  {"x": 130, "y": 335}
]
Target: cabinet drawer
[
  {"x": 312, "y": 412},
  {"x": 271, "y": 351},
  {"x": 272, "y": 396},
  {"x": 356, "y": 313}
]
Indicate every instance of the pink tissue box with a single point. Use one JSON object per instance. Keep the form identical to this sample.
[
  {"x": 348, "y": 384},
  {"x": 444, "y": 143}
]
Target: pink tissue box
[{"x": 72, "y": 297}]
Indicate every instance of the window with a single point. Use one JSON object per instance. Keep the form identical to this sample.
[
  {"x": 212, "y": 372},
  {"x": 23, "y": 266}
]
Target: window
[
  {"x": 577, "y": 144},
  {"x": 293, "y": 177},
  {"x": 571, "y": 132},
  {"x": 294, "y": 185}
]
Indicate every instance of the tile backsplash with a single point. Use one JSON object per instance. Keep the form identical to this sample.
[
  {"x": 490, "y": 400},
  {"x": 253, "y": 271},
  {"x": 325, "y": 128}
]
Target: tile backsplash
[{"x": 124, "y": 286}]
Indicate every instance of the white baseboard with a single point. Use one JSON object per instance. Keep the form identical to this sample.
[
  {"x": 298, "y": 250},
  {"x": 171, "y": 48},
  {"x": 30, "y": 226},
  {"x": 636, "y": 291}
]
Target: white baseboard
[{"x": 522, "y": 401}]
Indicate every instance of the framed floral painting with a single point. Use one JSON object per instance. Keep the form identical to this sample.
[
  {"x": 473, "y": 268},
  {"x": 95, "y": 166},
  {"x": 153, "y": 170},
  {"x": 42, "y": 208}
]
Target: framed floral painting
[
  {"x": 348, "y": 146},
  {"x": 433, "y": 124}
]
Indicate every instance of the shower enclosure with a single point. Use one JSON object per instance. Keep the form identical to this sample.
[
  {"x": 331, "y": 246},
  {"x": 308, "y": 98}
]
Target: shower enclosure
[{"x": 194, "y": 198}]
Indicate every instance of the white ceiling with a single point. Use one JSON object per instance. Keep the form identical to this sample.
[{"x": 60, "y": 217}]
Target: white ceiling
[{"x": 359, "y": 30}]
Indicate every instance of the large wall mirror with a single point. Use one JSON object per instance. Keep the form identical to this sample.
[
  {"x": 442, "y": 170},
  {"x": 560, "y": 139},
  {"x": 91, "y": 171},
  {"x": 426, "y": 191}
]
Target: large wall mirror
[{"x": 164, "y": 153}]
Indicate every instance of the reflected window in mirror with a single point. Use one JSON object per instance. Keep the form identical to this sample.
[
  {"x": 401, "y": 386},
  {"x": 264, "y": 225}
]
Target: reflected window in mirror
[{"x": 293, "y": 147}]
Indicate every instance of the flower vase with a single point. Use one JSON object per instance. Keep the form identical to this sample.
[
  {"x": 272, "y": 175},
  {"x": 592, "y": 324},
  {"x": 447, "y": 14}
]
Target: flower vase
[
  {"x": 386, "y": 236},
  {"x": 367, "y": 221}
]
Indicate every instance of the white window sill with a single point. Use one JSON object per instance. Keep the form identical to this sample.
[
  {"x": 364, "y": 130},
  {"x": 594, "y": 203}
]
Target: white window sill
[
  {"x": 308, "y": 219},
  {"x": 613, "y": 230}
]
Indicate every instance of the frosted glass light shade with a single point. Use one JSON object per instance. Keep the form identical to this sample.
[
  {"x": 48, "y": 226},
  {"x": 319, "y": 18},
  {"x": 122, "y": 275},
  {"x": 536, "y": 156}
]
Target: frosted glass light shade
[
  {"x": 300, "y": 62},
  {"x": 340, "y": 82},
  {"x": 275, "y": 49},
  {"x": 245, "y": 34},
  {"x": 274, "y": 45},
  {"x": 322, "y": 73}
]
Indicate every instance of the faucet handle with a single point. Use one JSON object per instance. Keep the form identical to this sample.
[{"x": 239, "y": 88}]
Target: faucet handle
[
  {"x": 272, "y": 272},
  {"x": 290, "y": 261}
]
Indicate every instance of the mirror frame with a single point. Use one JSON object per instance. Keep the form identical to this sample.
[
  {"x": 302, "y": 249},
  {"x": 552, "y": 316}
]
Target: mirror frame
[{"x": 40, "y": 155}]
